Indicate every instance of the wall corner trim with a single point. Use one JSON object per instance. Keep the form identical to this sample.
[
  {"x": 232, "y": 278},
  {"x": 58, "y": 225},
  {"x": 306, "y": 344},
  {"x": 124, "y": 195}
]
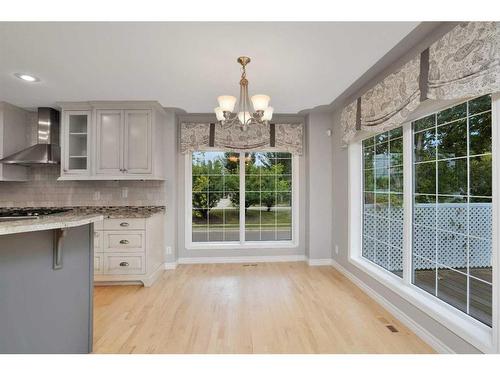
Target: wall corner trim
[
  {"x": 320, "y": 262},
  {"x": 420, "y": 331},
  {"x": 170, "y": 265}
]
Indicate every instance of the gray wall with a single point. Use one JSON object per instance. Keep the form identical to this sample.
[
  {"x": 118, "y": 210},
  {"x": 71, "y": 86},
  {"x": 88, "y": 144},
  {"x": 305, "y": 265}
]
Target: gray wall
[
  {"x": 170, "y": 186},
  {"x": 319, "y": 185}
]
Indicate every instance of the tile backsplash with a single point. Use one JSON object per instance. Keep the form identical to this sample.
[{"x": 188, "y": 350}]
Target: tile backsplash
[{"x": 43, "y": 190}]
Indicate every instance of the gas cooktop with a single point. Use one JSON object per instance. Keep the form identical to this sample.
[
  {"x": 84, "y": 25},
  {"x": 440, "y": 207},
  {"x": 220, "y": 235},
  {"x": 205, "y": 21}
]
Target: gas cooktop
[{"x": 28, "y": 213}]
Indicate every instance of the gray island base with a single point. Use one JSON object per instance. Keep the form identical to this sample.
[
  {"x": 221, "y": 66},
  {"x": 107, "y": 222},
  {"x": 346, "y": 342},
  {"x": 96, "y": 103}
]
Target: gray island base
[{"x": 46, "y": 279}]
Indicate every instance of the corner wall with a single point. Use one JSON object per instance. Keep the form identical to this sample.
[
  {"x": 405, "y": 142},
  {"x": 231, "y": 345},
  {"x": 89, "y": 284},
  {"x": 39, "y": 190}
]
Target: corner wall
[{"x": 319, "y": 186}]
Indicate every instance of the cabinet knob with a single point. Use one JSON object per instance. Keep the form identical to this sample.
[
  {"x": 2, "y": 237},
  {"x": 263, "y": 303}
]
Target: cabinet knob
[
  {"x": 124, "y": 264},
  {"x": 124, "y": 242},
  {"x": 124, "y": 224}
]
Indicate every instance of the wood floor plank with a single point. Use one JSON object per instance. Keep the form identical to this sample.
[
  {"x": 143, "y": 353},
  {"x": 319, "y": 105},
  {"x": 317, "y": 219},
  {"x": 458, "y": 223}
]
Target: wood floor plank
[{"x": 230, "y": 308}]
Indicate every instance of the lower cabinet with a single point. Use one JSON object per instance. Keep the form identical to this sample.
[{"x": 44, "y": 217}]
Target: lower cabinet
[{"x": 128, "y": 250}]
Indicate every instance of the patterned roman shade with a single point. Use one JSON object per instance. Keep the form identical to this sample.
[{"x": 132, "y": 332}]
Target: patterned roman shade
[
  {"x": 464, "y": 63},
  {"x": 286, "y": 137},
  {"x": 386, "y": 105},
  {"x": 389, "y": 102}
]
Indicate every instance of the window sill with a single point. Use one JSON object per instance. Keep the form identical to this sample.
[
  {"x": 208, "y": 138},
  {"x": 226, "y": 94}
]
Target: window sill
[
  {"x": 472, "y": 331},
  {"x": 247, "y": 245}
]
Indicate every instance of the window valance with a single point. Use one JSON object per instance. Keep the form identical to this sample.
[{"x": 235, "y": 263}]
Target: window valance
[
  {"x": 205, "y": 136},
  {"x": 464, "y": 63}
]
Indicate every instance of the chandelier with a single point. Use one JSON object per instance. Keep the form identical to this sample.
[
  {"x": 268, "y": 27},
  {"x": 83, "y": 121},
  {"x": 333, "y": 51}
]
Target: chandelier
[{"x": 244, "y": 115}]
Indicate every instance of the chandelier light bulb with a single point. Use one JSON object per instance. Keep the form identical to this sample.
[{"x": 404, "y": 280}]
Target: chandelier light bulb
[
  {"x": 226, "y": 102},
  {"x": 219, "y": 113},
  {"x": 268, "y": 114},
  {"x": 243, "y": 117},
  {"x": 260, "y": 102}
]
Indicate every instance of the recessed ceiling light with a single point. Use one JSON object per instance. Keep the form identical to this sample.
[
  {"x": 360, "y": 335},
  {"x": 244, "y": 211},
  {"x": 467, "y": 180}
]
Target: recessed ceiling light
[{"x": 27, "y": 77}]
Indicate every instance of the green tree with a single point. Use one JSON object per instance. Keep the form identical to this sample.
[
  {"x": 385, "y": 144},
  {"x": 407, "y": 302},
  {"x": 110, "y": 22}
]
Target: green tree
[{"x": 207, "y": 182}]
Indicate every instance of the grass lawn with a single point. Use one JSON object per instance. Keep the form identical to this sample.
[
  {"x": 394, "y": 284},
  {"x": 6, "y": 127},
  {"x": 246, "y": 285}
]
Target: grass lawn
[{"x": 254, "y": 217}]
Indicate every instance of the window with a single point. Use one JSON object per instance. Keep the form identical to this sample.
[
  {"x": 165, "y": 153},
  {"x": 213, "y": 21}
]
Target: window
[
  {"x": 241, "y": 197},
  {"x": 424, "y": 197},
  {"x": 452, "y": 213},
  {"x": 383, "y": 200}
]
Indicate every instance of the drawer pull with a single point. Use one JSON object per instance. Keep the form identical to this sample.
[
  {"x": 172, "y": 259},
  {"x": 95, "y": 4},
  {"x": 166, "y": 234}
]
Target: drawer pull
[
  {"x": 124, "y": 264},
  {"x": 124, "y": 242},
  {"x": 124, "y": 224}
]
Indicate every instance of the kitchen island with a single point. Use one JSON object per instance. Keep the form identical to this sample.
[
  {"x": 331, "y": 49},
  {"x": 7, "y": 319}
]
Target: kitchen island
[{"x": 46, "y": 280}]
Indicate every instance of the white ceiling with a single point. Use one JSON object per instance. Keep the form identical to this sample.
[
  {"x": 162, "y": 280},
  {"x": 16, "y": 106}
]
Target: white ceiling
[{"x": 187, "y": 65}]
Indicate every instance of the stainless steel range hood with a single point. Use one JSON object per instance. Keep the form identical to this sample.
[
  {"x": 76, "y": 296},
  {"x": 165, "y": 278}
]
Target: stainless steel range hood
[{"x": 47, "y": 150}]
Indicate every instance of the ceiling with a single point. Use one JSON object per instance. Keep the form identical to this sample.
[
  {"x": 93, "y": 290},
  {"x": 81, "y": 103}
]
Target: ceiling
[{"x": 187, "y": 65}]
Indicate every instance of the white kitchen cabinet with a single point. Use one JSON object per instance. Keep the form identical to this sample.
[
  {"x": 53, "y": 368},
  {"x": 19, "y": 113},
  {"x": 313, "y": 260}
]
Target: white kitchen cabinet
[
  {"x": 137, "y": 155},
  {"x": 109, "y": 142},
  {"x": 75, "y": 143},
  {"x": 129, "y": 250},
  {"x": 126, "y": 141},
  {"x": 14, "y": 132}
]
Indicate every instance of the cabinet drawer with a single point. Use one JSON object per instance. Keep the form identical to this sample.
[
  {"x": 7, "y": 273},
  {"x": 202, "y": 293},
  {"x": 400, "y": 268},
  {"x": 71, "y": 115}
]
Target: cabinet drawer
[
  {"x": 124, "y": 224},
  {"x": 98, "y": 242},
  {"x": 98, "y": 263},
  {"x": 124, "y": 241},
  {"x": 124, "y": 264}
]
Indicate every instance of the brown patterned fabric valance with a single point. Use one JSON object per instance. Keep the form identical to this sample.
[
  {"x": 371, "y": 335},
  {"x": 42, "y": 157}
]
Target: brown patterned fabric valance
[
  {"x": 462, "y": 64},
  {"x": 465, "y": 62},
  {"x": 281, "y": 137}
]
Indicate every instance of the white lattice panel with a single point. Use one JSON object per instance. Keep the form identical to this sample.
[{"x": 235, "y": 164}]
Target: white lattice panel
[{"x": 439, "y": 231}]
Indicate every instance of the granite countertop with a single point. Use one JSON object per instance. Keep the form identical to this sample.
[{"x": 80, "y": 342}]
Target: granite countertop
[
  {"x": 121, "y": 212},
  {"x": 75, "y": 216},
  {"x": 62, "y": 220}
]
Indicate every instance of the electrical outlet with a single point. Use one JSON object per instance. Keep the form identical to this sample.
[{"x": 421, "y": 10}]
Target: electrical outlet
[
  {"x": 337, "y": 249},
  {"x": 97, "y": 195},
  {"x": 124, "y": 192},
  {"x": 168, "y": 250}
]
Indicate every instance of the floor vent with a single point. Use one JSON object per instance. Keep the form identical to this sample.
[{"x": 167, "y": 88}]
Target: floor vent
[
  {"x": 391, "y": 328},
  {"x": 250, "y": 265}
]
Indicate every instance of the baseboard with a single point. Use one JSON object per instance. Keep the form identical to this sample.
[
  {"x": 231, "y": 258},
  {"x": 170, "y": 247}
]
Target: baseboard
[
  {"x": 149, "y": 281},
  {"x": 242, "y": 259},
  {"x": 320, "y": 262},
  {"x": 170, "y": 265},
  {"x": 421, "y": 332}
]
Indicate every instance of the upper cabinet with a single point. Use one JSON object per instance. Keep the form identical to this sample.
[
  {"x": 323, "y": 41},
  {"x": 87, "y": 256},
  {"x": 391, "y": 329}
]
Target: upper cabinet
[
  {"x": 14, "y": 132},
  {"x": 75, "y": 145},
  {"x": 126, "y": 141},
  {"x": 137, "y": 157},
  {"x": 109, "y": 143}
]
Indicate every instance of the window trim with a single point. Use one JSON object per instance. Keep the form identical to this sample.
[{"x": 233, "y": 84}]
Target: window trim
[
  {"x": 471, "y": 330},
  {"x": 286, "y": 244}
]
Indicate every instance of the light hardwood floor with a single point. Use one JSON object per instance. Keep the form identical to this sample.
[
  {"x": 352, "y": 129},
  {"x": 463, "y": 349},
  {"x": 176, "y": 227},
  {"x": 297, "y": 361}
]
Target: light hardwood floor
[{"x": 236, "y": 308}]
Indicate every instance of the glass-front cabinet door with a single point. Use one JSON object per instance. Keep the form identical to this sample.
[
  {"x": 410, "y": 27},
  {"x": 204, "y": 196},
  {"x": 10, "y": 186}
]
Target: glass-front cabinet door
[{"x": 75, "y": 158}]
